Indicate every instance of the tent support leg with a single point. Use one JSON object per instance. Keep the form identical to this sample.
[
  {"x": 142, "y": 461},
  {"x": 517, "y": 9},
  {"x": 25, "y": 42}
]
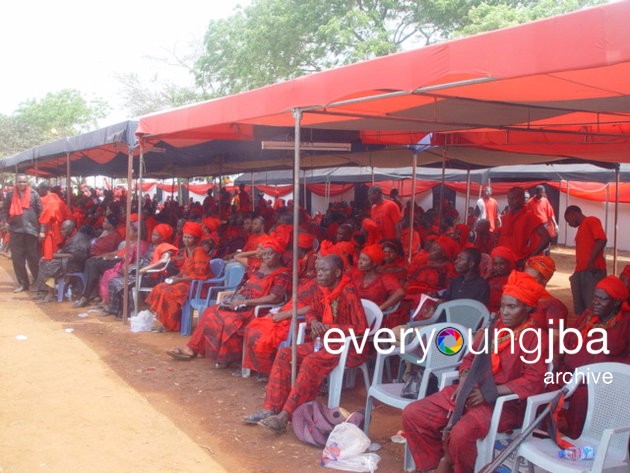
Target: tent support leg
[
  {"x": 412, "y": 208},
  {"x": 297, "y": 116}
]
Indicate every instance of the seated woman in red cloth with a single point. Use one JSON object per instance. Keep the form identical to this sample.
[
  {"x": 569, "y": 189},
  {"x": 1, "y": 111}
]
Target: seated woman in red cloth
[
  {"x": 219, "y": 334},
  {"x": 503, "y": 262},
  {"x": 515, "y": 371},
  {"x": 382, "y": 289},
  {"x": 550, "y": 310},
  {"x": 264, "y": 335},
  {"x": 608, "y": 313},
  {"x": 394, "y": 262},
  {"x": 166, "y": 299},
  {"x": 433, "y": 274}
]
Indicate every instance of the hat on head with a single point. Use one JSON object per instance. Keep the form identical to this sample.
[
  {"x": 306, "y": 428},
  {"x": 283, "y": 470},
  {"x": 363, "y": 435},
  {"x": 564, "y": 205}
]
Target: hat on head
[
  {"x": 193, "y": 228},
  {"x": 524, "y": 287},
  {"x": 614, "y": 287}
]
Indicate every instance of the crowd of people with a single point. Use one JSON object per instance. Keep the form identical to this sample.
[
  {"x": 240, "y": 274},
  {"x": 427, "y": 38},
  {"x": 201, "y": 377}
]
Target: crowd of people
[{"x": 352, "y": 252}]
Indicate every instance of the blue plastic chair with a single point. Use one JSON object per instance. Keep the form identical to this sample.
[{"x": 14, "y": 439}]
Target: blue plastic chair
[
  {"x": 232, "y": 275},
  {"x": 61, "y": 284}
]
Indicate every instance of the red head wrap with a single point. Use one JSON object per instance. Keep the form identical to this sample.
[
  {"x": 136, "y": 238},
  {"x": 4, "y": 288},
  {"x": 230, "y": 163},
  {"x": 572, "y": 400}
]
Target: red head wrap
[
  {"x": 342, "y": 249},
  {"x": 374, "y": 252},
  {"x": 524, "y": 287},
  {"x": 164, "y": 230},
  {"x": 626, "y": 271},
  {"x": 274, "y": 244},
  {"x": 613, "y": 286},
  {"x": 133, "y": 217},
  {"x": 211, "y": 223},
  {"x": 504, "y": 252},
  {"x": 282, "y": 233},
  {"x": 450, "y": 246},
  {"x": 193, "y": 228},
  {"x": 306, "y": 240},
  {"x": 545, "y": 265}
]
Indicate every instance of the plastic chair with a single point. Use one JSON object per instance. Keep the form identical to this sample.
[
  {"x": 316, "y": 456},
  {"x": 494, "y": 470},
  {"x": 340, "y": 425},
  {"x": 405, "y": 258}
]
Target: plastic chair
[
  {"x": 62, "y": 284},
  {"x": 469, "y": 313},
  {"x": 435, "y": 362},
  {"x": 374, "y": 317},
  {"x": 229, "y": 277},
  {"x": 606, "y": 427}
]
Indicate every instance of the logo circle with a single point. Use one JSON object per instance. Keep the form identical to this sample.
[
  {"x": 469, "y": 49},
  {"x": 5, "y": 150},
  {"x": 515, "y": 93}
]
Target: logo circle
[{"x": 449, "y": 341}]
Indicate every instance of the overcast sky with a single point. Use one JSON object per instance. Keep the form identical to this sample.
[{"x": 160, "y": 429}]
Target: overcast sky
[{"x": 47, "y": 46}]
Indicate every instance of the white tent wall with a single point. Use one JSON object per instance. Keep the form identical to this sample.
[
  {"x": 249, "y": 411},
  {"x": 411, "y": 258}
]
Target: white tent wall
[{"x": 319, "y": 203}]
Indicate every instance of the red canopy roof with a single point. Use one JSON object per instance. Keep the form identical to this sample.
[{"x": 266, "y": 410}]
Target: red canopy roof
[{"x": 566, "y": 74}]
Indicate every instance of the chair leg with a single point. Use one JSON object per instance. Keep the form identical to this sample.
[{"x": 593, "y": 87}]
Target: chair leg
[
  {"x": 368, "y": 414},
  {"x": 409, "y": 464},
  {"x": 186, "y": 321}
]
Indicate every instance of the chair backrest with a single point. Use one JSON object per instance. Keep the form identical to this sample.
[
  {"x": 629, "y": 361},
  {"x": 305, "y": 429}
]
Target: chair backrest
[
  {"x": 445, "y": 343},
  {"x": 234, "y": 273},
  {"x": 217, "y": 266},
  {"x": 470, "y": 313},
  {"x": 373, "y": 314},
  {"x": 605, "y": 401}
]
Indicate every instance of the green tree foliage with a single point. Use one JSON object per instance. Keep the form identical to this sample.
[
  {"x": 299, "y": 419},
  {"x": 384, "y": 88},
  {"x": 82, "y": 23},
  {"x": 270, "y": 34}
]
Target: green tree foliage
[
  {"x": 64, "y": 113},
  {"x": 273, "y": 40}
]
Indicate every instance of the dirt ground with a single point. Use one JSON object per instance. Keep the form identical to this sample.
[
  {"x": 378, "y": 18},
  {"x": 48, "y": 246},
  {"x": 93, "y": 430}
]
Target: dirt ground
[{"x": 86, "y": 394}]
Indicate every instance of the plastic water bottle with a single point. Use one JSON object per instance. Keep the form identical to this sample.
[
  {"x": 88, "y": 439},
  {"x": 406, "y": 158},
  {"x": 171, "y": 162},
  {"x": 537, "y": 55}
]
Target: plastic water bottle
[
  {"x": 577, "y": 453},
  {"x": 318, "y": 344}
]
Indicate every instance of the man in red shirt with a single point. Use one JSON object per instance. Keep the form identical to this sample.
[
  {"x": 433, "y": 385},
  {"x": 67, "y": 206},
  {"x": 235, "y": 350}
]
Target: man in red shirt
[
  {"x": 590, "y": 267},
  {"x": 522, "y": 231},
  {"x": 385, "y": 213},
  {"x": 488, "y": 209},
  {"x": 540, "y": 206}
]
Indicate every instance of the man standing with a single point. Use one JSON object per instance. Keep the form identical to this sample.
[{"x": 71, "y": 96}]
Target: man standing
[
  {"x": 539, "y": 205},
  {"x": 590, "y": 267},
  {"x": 338, "y": 307},
  {"x": 21, "y": 211},
  {"x": 54, "y": 212},
  {"x": 488, "y": 209},
  {"x": 522, "y": 231},
  {"x": 385, "y": 213}
]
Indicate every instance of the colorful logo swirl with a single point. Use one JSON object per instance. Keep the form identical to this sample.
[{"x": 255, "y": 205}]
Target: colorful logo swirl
[{"x": 449, "y": 341}]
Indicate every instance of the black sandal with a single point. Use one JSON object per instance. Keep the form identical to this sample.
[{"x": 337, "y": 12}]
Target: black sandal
[{"x": 257, "y": 416}]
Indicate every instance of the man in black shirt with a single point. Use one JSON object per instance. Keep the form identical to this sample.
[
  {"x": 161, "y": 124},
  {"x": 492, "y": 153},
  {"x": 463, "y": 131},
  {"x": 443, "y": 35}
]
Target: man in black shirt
[{"x": 469, "y": 284}]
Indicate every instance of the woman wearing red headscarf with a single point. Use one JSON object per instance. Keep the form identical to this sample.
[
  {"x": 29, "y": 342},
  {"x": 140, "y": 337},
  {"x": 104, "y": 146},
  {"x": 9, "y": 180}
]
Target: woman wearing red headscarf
[
  {"x": 394, "y": 262},
  {"x": 382, "y": 289},
  {"x": 433, "y": 274},
  {"x": 605, "y": 313},
  {"x": 264, "y": 335},
  {"x": 550, "y": 310},
  {"x": 518, "y": 366},
  {"x": 219, "y": 334},
  {"x": 166, "y": 299},
  {"x": 503, "y": 262}
]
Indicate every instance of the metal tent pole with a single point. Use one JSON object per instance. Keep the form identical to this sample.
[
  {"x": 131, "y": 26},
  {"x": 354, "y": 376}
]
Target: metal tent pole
[
  {"x": 68, "y": 182},
  {"x": 412, "y": 207},
  {"x": 440, "y": 204},
  {"x": 616, "y": 218},
  {"x": 137, "y": 263},
  {"x": 127, "y": 230},
  {"x": 467, "y": 198},
  {"x": 297, "y": 115}
]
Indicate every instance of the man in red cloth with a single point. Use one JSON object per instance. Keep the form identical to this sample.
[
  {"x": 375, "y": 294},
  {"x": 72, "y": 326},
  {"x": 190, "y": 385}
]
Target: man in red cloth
[
  {"x": 514, "y": 370},
  {"x": 20, "y": 213},
  {"x": 54, "y": 213},
  {"x": 540, "y": 206},
  {"x": 522, "y": 231},
  {"x": 338, "y": 307},
  {"x": 590, "y": 264},
  {"x": 385, "y": 213}
]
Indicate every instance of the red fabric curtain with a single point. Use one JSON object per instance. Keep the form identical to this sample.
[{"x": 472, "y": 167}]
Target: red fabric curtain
[
  {"x": 200, "y": 189},
  {"x": 335, "y": 189},
  {"x": 276, "y": 191},
  {"x": 595, "y": 191}
]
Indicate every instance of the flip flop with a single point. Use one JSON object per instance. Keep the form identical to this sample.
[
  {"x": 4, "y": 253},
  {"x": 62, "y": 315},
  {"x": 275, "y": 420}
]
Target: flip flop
[
  {"x": 179, "y": 355},
  {"x": 256, "y": 417},
  {"x": 273, "y": 423}
]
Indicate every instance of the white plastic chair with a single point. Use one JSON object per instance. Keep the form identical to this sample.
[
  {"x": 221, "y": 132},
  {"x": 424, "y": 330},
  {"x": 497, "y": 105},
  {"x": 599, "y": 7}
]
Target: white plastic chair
[
  {"x": 606, "y": 427},
  {"x": 374, "y": 317},
  {"x": 434, "y": 363}
]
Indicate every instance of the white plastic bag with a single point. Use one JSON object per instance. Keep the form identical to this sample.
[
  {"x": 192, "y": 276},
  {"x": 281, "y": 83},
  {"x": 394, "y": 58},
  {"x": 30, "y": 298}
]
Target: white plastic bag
[
  {"x": 344, "y": 450},
  {"x": 143, "y": 322}
]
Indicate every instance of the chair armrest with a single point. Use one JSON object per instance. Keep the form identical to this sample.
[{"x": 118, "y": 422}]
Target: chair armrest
[
  {"x": 447, "y": 378},
  {"x": 260, "y": 307},
  {"x": 602, "y": 449},
  {"x": 301, "y": 333},
  {"x": 534, "y": 402}
]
